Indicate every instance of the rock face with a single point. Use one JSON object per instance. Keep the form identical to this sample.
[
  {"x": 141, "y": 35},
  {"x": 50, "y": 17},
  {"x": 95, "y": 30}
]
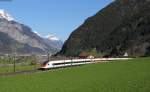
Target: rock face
[
  {"x": 20, "y": 38},
  {"x": 121, "y": 27}
]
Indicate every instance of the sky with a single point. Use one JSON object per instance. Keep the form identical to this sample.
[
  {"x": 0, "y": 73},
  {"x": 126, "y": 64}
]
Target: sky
[{"x": 53, "y": 17}]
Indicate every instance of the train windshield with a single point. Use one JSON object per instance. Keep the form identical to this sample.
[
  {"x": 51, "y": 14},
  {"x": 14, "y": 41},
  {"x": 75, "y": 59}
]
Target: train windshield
[{"x": 45, "y": 62}]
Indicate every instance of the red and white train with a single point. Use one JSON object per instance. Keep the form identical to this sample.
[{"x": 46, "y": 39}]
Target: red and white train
[{"x": 75, "y": 62}]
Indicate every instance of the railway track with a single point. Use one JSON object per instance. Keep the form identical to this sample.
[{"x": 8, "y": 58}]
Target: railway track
[
  {"x": 30, "y": 71},
  {"x": 34, "y": 71},
  {"x": 40, "y": 71}
]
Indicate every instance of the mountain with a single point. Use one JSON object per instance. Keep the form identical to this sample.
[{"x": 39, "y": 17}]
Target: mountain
[
  {"x": 121, "y": 27},
  {"x": 54, "y": 42},
  {"x": 18, "y": 37},
  {"x": 5, "y": 15}
]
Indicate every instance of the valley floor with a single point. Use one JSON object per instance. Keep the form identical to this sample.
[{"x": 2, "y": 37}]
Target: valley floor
[{"x": 129, "y": 76}]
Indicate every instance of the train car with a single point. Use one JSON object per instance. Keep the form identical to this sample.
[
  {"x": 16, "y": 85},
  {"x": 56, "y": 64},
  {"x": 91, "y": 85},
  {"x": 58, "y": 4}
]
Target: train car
[
  {"x": 64, "y": 63},
  {"x": 75, "y": 62}
]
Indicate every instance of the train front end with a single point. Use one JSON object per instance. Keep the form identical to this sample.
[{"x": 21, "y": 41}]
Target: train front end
[{"x": 45, "y": 65}]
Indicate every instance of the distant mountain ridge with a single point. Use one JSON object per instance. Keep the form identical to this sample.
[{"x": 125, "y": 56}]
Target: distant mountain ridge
[
  {"x": 18, "y": 37},
  {"x": 121, "y": 27},
  {"x": 54, "y": 42}
]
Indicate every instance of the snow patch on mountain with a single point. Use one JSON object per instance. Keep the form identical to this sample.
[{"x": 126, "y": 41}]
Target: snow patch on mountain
[
  {"x": 52, "y": 37},
  {"x": 5, "y": 15},
  {"x": 37, "y": 33},
  {"x": 54, "y": 41}
]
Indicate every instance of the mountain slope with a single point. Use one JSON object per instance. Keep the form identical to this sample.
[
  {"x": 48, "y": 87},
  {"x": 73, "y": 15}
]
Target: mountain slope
[
  {"x": 123, "y": 26},
  {"x": 19, "y": 37}
]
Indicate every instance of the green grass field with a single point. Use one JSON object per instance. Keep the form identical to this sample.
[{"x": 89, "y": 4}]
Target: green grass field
[
  {"x": 22, "y": 64},
  {"x": 130, "y": 76},
  {"x": 10, "y": 69}
]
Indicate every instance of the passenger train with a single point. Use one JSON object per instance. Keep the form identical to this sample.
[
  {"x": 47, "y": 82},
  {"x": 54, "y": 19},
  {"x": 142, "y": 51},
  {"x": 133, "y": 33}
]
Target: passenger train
[{"x": 75, "y": 62}]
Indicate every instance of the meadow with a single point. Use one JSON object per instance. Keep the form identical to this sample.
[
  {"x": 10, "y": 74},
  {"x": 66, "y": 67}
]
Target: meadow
[
  {"x": 119, "y": 76},
  {"x": 21, "y": 64},
  {"x": 10, "y": 69}
]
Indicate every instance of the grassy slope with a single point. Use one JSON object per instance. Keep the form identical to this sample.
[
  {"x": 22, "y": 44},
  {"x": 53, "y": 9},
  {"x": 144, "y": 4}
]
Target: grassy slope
[{"x": 131, "y": 76}]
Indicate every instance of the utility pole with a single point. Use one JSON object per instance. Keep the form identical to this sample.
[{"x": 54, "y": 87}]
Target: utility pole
[
  {"x": 35, "y": 60},
  {"x": 14, "y": 61},
  {"x": 14, "y": 51},
  {"x": 48, "y": 55}
]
